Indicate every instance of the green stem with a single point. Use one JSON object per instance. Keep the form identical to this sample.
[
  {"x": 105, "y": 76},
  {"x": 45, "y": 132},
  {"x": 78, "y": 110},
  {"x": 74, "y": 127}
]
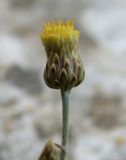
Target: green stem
[{"x": 65, "y": 131}]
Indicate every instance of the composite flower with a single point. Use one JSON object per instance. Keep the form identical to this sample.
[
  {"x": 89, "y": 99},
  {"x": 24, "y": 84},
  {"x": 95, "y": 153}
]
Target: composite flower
[{"x": 64, "y": 68}]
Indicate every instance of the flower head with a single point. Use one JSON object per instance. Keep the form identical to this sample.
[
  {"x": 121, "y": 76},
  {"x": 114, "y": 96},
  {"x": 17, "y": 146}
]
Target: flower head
[
  {"x": 51, "y": 152},
  {"x": 64, "y": 68}
]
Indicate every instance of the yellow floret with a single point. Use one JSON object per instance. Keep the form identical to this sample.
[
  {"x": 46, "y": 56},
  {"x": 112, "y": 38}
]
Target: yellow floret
[{"x": 54, "y": 32}]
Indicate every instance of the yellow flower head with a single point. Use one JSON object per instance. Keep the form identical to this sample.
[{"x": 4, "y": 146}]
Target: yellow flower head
[
  {"x": 64, "y": 69},
  {"x": 58, "y": 34}
]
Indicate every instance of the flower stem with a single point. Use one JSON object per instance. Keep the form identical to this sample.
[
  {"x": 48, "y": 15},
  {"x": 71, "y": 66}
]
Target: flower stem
[{"x": 65, "y": 130}]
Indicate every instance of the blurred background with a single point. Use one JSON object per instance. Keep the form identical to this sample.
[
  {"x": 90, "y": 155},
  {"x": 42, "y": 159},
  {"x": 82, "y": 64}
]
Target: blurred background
[{"x": 30, "y": 112}]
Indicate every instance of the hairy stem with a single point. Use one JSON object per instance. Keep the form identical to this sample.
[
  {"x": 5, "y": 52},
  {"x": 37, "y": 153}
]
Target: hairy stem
[{"x": 65, "y": 131}]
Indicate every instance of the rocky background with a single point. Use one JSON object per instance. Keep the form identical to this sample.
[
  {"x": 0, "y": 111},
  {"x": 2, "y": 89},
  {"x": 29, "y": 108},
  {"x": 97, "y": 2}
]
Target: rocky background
[{"x": 30, "y": 112}]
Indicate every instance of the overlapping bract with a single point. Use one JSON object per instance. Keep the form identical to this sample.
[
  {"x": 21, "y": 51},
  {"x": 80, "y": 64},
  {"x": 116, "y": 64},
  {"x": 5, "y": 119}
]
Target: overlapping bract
[{"x": 64, "y": 68}]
